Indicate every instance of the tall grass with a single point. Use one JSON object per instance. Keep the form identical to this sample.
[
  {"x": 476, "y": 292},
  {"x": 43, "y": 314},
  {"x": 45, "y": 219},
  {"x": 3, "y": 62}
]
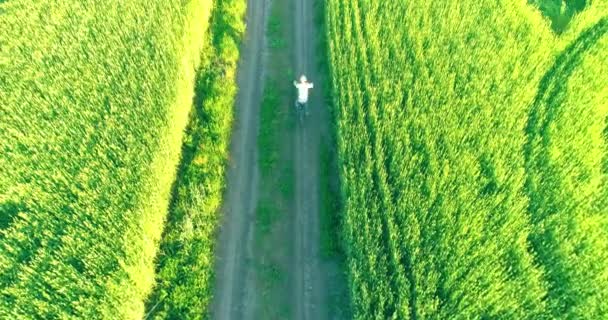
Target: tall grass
[{"x": 94, "y": 97}]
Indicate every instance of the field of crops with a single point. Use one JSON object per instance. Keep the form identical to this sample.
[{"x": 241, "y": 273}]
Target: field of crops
[
  {"x": 473, "y": 155},
  {"x": 564, "y": 155},
  {"x": 94, "y": 97}
]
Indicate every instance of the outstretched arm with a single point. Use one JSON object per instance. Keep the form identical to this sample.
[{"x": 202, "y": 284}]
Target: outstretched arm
[{"x": 295, "y": 83}]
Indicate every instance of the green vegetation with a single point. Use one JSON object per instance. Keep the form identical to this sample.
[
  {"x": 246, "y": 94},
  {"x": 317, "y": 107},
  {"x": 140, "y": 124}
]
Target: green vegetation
[
  {"x": 185, "y": 262},
  {"x": 277, "y": 176},
  {"x": 471, "y": 154},
  {"x": 269, "y": 137},
  {"x": 564, "y": 163},
  {"x": 330, "y": 206},
  {"x": 329, "y": 178},
  {"x": 560, "y": 12},
  {"x": 94, "y": 99}
]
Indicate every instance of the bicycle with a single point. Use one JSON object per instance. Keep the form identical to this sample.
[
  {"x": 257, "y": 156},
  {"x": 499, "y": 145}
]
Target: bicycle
[{"x": 301, "y": 111}]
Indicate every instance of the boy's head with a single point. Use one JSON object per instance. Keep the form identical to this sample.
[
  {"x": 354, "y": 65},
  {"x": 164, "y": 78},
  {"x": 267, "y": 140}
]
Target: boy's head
[{"x": 303, "y": 78}]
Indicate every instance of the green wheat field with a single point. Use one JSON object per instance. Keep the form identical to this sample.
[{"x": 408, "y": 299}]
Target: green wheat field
[{"x": 471, "y": 138}]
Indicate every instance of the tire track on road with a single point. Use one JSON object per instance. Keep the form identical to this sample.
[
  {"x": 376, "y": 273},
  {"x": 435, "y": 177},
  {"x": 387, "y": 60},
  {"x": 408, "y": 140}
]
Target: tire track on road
[
  {"x": 310, "y": 282},
  {"x": 235, "y": 281}
]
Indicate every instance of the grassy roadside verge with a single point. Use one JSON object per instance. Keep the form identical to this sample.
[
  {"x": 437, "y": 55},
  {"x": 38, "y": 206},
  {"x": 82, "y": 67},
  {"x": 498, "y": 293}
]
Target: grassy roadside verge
[
  {"x": 331, "y": 206},
  {"x": 185, "y": 262},
  {"x": 332, "y": 210}
]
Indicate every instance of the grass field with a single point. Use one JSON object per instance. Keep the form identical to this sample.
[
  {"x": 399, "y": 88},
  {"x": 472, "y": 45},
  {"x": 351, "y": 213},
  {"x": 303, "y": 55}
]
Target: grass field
[
  {"x": 471, "y": 139},
  {"x": 93, "y": 102}
]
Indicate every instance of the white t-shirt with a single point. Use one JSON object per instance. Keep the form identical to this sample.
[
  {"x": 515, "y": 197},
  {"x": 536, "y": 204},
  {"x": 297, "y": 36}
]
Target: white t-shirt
[{"x": 303, "y": 91}]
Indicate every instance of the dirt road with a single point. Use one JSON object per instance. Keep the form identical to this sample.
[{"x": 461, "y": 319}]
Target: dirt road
[
  {"x": 306, "y": 284},
  {"x": 235, "y": 282}
]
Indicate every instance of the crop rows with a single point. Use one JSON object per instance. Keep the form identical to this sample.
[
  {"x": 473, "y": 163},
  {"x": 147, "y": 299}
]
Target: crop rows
[
  {"x": 94, "y": 97},
  {"x": 432, "y": 103}
]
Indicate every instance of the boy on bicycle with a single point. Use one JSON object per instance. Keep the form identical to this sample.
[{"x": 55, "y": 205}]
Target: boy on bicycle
[{"x": 303, "y": 86}]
